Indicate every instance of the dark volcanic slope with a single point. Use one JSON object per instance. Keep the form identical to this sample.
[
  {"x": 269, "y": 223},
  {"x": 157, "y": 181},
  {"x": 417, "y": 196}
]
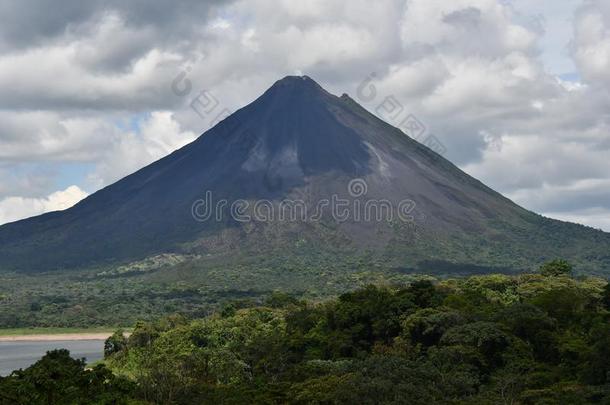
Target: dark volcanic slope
[{"x": 298, "y": 140}]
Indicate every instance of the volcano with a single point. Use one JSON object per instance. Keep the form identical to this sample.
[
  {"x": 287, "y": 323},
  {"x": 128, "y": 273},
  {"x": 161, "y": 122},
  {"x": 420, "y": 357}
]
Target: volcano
[{"x": 300, "y": 167}]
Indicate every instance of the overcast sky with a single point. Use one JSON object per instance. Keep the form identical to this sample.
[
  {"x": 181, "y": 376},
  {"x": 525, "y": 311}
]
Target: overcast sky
[{"x": 518, "y": 92}]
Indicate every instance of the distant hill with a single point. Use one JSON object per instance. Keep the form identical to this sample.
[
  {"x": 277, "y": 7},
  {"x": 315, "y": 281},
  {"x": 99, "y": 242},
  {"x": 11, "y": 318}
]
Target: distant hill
[{"x": 284, "y": 156}]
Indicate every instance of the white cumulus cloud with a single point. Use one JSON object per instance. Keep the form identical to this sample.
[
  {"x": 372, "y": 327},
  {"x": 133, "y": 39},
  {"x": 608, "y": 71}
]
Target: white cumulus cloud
[{"x": 14, "y": 208}]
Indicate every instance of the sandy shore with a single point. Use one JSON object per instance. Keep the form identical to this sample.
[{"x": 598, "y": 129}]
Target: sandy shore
[{"x": 52, "y": 337}]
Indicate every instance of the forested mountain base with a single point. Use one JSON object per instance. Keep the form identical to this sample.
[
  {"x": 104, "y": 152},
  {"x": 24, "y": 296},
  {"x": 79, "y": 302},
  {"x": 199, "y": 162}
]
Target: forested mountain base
[
  {"x": 530, "y": 339},
  {"x": 149, "y": 290}
]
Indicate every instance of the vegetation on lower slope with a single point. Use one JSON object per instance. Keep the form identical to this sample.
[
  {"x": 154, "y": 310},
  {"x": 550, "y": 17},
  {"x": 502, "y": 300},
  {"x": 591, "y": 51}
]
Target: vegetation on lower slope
[
  {"x": 196, "y": 285},
  {"x": 494, "y": 339},
  {"x": 194, "y": 288}
]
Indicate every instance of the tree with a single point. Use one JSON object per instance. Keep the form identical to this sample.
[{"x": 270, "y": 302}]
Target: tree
[
  {"x": 606, "y": 297},
  {"x": 143, "y": 335},
  {"x": 115, "y": 343},
  {"x": 487, "y": 337},
  {"x": 280, "y": 299},
  {"x": 556, "y": 268},
  {"x": 424, "y": 294},
  {"x": 57, "y": 378},
  {"x": 359, "y": 319},
  {"x": 427, "y": 326},
  {"x": 597, "y": 368},
  {"x": 512, "y": 340},
  {"x": 533, "y": 325}
]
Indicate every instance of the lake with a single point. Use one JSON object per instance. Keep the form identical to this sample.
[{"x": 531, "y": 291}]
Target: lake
[{"x": 16, "y": 355}]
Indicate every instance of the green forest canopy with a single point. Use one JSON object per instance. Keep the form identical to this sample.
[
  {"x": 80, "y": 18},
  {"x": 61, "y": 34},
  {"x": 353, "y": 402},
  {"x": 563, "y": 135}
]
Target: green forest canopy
[{"x": 529, "y": 339}]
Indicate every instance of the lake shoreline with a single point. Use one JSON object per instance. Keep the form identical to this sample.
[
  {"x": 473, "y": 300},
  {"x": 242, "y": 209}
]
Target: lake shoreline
[
  {"x": 20, "y": 354},
  {"x": 49, "y": 337}
]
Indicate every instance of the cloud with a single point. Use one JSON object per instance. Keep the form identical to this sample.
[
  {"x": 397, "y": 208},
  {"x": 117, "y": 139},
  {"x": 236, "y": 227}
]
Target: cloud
[
  {"x": 25, "y": 180},
  {"x": 113, "y": 148},
  {"x": 597, "y": 218},
  {"x": 14, "y": 208},
  {"x": 478, "y": 82},
  {"x": 98, "y": 54},
  {"x": 49, "y": 20},
  {"x": 157, "y": 136},
  {"x": 34, "y": 136},
  {"x": 591, "y": 44},
  {"x": 67, "y": 82}
]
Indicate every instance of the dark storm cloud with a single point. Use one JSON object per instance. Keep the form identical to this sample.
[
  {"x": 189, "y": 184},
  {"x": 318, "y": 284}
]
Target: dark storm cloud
[
  {"x": 98, "y": 54},
  {"x": 29, "y": 23}
]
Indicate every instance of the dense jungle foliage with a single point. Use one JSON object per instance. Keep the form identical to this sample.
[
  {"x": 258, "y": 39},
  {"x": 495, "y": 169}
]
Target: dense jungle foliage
[{"x": 539, "y": 338}]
